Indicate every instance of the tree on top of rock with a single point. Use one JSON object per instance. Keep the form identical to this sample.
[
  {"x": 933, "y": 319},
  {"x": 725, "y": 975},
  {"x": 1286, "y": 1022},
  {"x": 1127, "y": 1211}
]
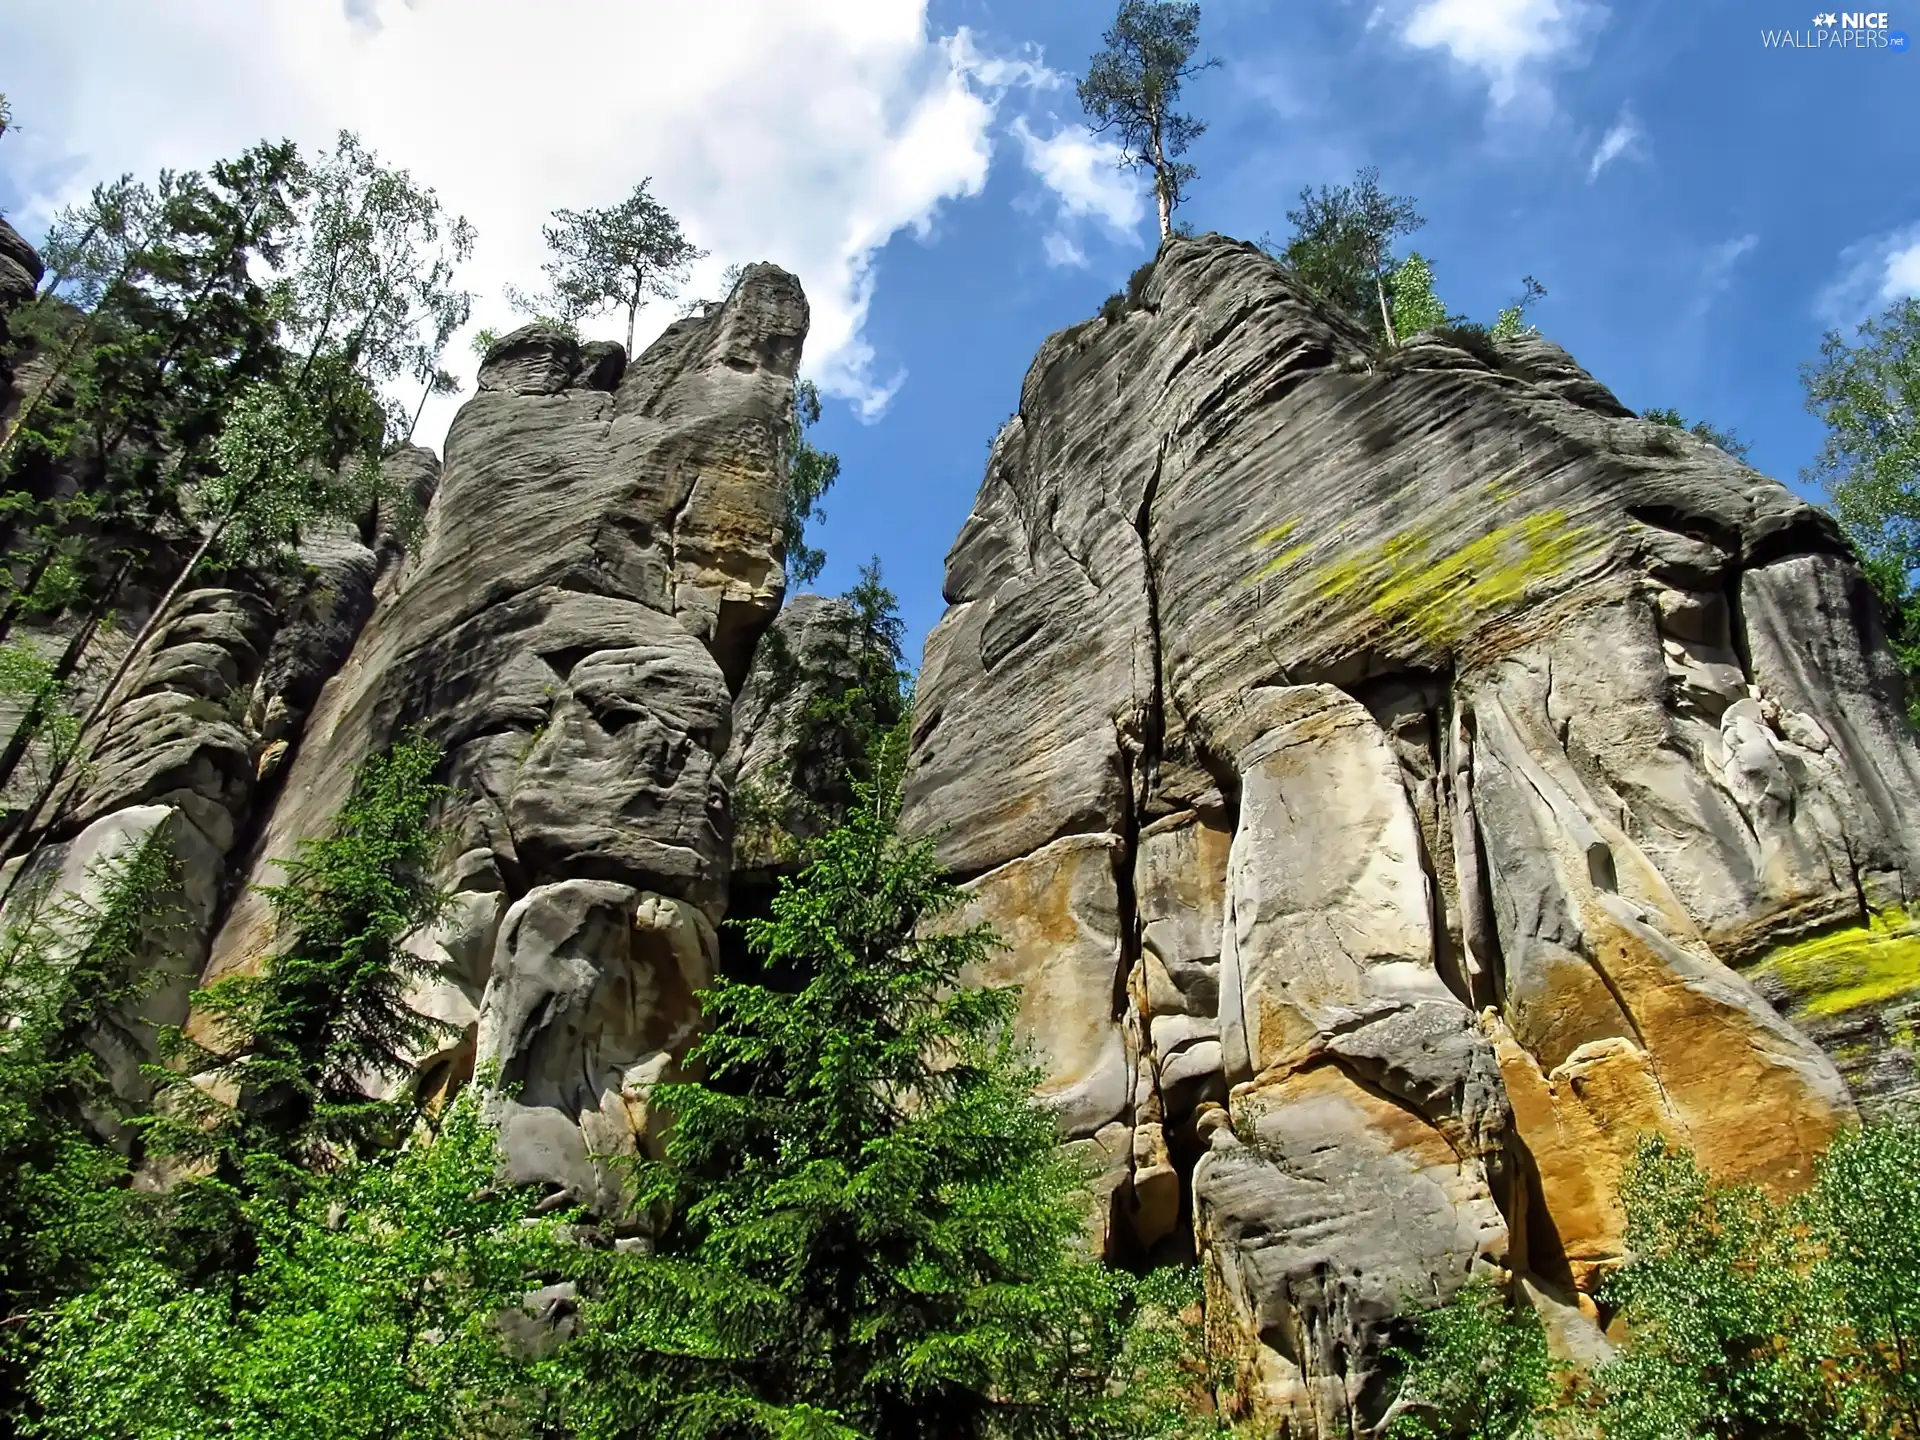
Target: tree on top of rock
[
  {"x": 1131, "y": 86},
  {"x": 618, "y": 258},
  {"x": 1342, "y": 245}
]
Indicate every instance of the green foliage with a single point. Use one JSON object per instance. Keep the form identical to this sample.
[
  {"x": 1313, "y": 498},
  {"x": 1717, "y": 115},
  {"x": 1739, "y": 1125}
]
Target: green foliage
[
  {"x": 1415, "y": 307},
  {"x": 1475, "y": 339},
  {"x": 1727, "y": 440},
  {"x": 1137, "y": 284},
  {"x": 1867, "y": 393},
  {"x": 1132, "y": 85},
  {"x": 266, "y": 488},
  {"x": 1728, "y": 1336},
  {"x": 71, "y": 965},
  {"x": 616, "y": 258},
  {"x": 327, "y": 1011},
  {"x": 1511, "y": 322},
  {"x": 31, "y": 681},
  {"x": 1342, "y": 246},
  {"x": 486, "y": 337},
  {"x": 873, "y": 1230},
  {"x": 1477, "y": 1369},
  {"x": 152, "y": 325},
  {"x": 1864, "y": 1218},
  {"x": 852, "y": 686},
  {"x": 1742, "y": 1317},
  {"x": 810, "y": 473},
  {"x": 372, "y": 1309}
]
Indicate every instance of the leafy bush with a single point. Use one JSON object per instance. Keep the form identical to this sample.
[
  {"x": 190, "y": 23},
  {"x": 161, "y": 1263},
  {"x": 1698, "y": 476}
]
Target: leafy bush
[
  {"x": 1476, "y": 1369},
  {"x": 1137, "y": 284}
]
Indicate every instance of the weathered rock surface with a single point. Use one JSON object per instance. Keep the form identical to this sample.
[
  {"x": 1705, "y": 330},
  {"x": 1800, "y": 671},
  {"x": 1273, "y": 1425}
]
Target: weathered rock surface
[
  {"x": 804, "y": 647},
  {"x": 1436, "y": 777},
  {"x": 602, "y": 552}
]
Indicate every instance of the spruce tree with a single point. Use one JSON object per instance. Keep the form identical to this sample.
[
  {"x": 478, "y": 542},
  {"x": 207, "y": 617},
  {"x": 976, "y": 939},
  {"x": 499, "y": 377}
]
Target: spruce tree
[
  {"x": 868, "y": 1228},
  {"x": 301, "y": 1040}
]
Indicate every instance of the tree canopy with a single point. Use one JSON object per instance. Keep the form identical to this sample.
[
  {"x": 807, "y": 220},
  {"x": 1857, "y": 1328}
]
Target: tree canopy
[
  {"x": 616, "y": 258},
  {"x": 1866, "y": 391},
  {"x": 1342, "y": 245},
  {"x": 1132, "y": 85}
]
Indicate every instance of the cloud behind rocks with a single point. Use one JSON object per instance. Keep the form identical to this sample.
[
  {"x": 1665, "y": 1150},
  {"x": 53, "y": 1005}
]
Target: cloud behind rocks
[{"x": 806, "y": 132}]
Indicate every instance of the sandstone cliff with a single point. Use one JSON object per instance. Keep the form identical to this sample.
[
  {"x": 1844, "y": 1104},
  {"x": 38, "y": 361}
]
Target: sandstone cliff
[
  {"x": 1403, "y": 781},
  {"x": 601, "y": 555}
]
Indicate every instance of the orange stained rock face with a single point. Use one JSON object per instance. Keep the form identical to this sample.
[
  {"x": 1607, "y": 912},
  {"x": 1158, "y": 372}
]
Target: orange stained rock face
[
  {"x": 1057, "y": 913},
  {"x": 1577, "y": 1128},
  {"x": 1708, "y": 1064}
]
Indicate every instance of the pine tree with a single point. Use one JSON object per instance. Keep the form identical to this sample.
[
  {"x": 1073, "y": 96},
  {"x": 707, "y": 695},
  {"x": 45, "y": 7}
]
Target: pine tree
[
  {"x": 1131, "y": 87},
  {"x": 617, "y": 258}
]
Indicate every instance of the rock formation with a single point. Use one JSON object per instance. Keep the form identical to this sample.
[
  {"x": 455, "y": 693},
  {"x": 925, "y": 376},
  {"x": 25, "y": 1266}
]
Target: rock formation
[
  {"x": 578, "y": 611},
  {"x": 1403, "y": 781}
]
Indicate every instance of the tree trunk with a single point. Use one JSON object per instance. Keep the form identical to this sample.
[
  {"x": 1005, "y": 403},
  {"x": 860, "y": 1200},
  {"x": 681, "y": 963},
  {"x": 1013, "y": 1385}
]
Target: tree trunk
[
  {"x": 1386, "y": 315},
  {"x": 1162, "y": 181},
  {"x": 414, "y": 424},
  {"x": 20, "y": 835}
]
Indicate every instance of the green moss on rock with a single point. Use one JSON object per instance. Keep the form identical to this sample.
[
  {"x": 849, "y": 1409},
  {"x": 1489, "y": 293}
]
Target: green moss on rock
[
  {"x": 1850, "y": 969},
  {"x": 1413, "y": 587}
]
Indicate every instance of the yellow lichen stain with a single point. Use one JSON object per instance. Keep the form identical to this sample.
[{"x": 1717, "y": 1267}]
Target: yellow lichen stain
[
  {"x": 1439, "y": 598},
  {"x": 1280, "y": 562},
  {"x": 1847, "y": 969},
  {"x": 1269, "y": 538}
]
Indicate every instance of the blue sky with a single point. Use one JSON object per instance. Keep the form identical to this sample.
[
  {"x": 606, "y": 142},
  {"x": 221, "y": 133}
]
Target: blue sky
[
  {"x": 1697, "y": 268},
  {"x": 1699, "y": 207}
]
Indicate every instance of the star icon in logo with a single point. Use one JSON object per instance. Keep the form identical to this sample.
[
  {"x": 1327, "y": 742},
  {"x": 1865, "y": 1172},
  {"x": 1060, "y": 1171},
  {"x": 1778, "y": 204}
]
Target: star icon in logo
[{"x": 1829, "y": 19}]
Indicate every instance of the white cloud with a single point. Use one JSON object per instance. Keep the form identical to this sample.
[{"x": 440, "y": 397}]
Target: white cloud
[
  {"x": 1716, "y": 272},
  {"x": 1624, "y": 136},
  {"x": 1507, "y": 41},
  {"x": 1083, "y": 173},
  {"x": 1871, "y": 274},
  {"x": 1062, "y": 251},
  {"x": 1903, "y": 274},
  {"x": 806, "y": 132}
]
